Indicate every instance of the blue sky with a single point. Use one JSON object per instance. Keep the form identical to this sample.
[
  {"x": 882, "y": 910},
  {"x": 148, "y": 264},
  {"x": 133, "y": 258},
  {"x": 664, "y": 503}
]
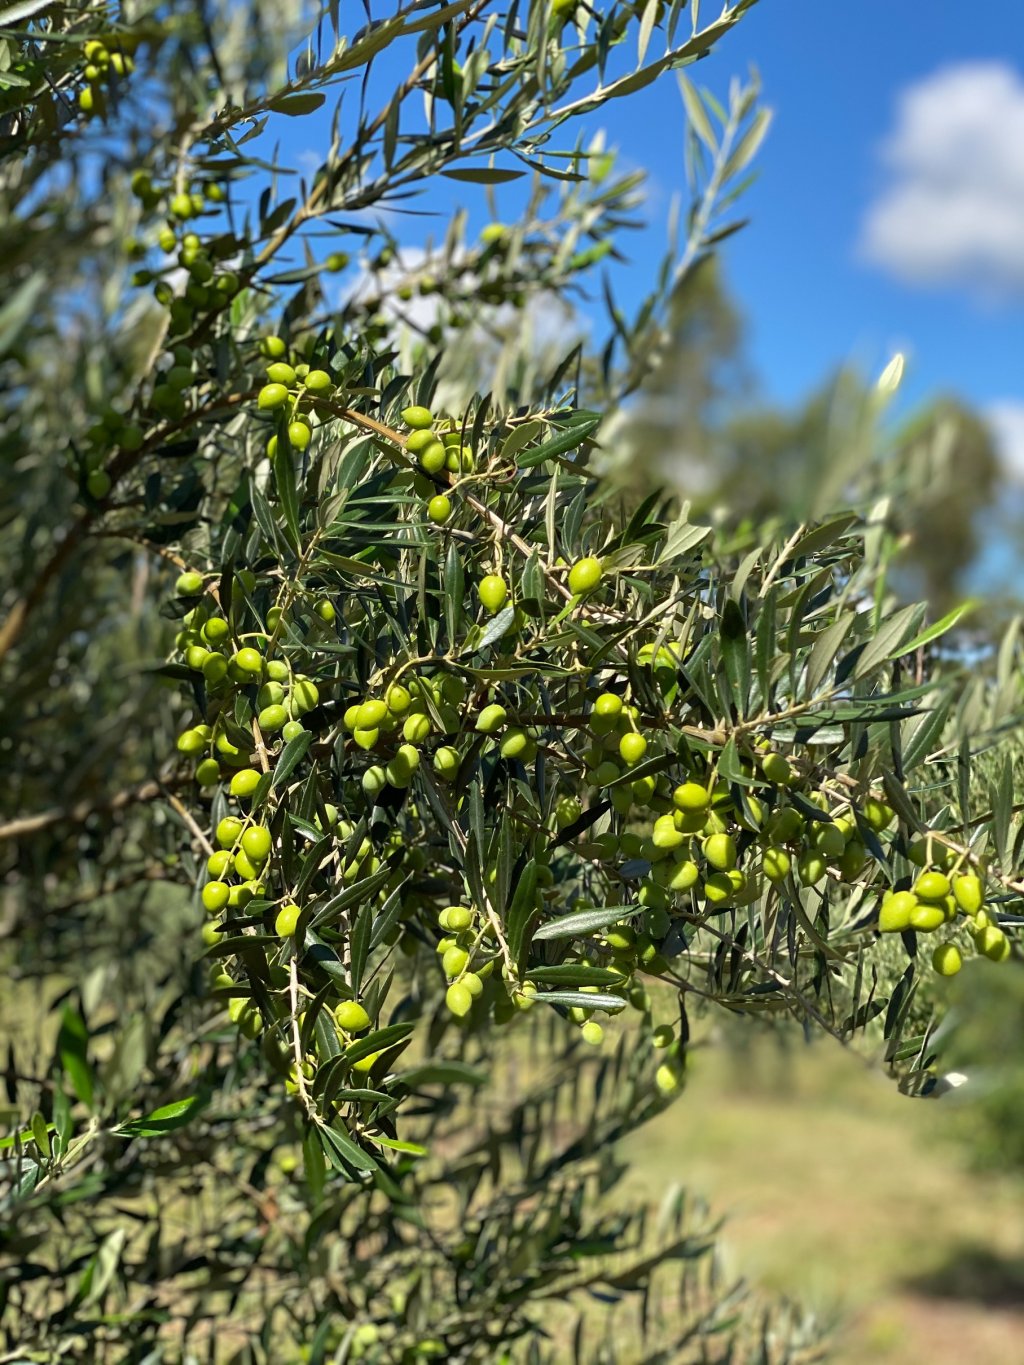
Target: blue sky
[
  {"x": 845, "y": 257},
  {"x": 889, "y": 209}
]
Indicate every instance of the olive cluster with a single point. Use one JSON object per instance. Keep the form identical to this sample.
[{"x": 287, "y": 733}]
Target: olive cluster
[
  {"x": 294, "y": 392},
  {"x": 107, "y": 60},
  {"x": 943, "y": 890},
  {"x": 620, "y": 805}
]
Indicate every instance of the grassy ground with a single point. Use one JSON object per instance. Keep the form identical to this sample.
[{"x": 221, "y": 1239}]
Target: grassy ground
[{"x": 843, "y": 1193}]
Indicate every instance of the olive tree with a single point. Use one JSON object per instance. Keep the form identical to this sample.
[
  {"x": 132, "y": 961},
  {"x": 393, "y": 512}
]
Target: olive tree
[{"x": 331, "y": 626}]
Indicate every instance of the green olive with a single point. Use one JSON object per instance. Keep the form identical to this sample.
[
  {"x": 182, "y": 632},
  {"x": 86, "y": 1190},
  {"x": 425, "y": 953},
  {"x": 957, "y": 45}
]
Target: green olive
[
  {"x": 459, "y": 999},
  {"x": 632, "y": 747},
  {"x": 932, "y": 886},
  {"x": 208, "y": 772},
  {"x": 491, "y": 719},
  {"x": 351, "y": 1016},
  {"x": 417, "y": 417},
  {"x": 245, "y": 782},
  {"x": 776, "y": 769},
  {"x": 776, "y": 863},
  {"x": 969, "y": 892},
  {"x": 257, "y": 843},
  {"x": 215, "y": 896},
  {"x": 691, "y": 797},
  {"x": 249, "y": 661},
  {"x": 585, "y": 575},
  {"x": 446, "y": 763},
  {"x": 720, "y": 851},
  {"x": 947, "y": 959},
  {"x": 189, "y": 584},
  {"x": 272, "y": 396},
  {"x": 493, "y": 592}
]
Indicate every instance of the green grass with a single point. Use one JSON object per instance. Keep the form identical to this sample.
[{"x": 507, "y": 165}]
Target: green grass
[{"x": 843, "y": 1193}]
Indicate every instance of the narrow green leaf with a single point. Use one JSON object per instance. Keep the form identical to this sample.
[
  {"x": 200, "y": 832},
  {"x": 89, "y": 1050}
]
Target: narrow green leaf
[
  {"x": 582, "y": 922},
  {"x": 291, "y": 756}
]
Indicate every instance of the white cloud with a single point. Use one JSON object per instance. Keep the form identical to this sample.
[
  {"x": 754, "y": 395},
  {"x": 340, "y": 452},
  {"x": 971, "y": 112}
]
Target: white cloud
[
  {"x": 1006, "y": 421},
  {"x": 953, "y": 210}
]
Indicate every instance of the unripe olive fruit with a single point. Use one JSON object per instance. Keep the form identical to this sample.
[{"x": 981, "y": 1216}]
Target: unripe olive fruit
[
  {"x": 827, "y": 839},
  {"x": 416, "y": 728},
  {"x": 455, "y": 918},
  {"x": 439, "y": 509},
  {"x": 351, "y": 1016},
  {"x": 366, "y": 739},
  {"x": 878, "y": 815},
  {"x": 318, "y": 381},
  {"x": 585, "y": 575},
  {"x": 215, "y": 896},
  {"x": 947, "y": 959},
  {"x": 454, "y": 961},
  {"x": 776, "y": 769},
  {"x": 853, "y": 859},
  {"x": 245, "y": 866},
  {"x": 473, "y": 982},
  {"x": 927, "y": 917},
  {"x": 720, "y": 851},
  {"x": 273, "y": 718},
  {"x": 811, "y": 867},
  {"x": 287, "y": 920},
  {"x": 417, "y": 417},
  {"x": 668, "y": 1077},
  {"x": 272, "y": 396},
  {"x": 374, "y": 781},
  {"x": 446, "y": 763},
  {"x": 691, "y": 797},
  {"x": 190, "y": 742},
  {"x": 664, "y": 835},
  {"x": 459, "y": 999},
  {"x": 181, "y": 206},
  {"x": 784, "y": 825},
  {"x": 592, "y": 1033},
  {"x": 273, "y": 347},
  {"x": 227, "y": 831},
  {"x": 208, "y": 772},
  {"x": 968, "y": 892},
  {"x": 683, "y": 875},
  {"x": 257, "y": 843},
  {"x": 491, "y": 719},
  {"x": 776, "y": 864},
  {"x": 249, "y": 661},
  {"x": 304, "y": 696},
  {"x": 401, "y": 768},
  {"x": 189, "y": 584},
  {"x": 219, "y": 864},
  {"x": 931, "y": 886},
  {"x": 895, "y": 911},
  {"x": 280, "y": 372},
  {"x": 718, "y": 888},
  {"x": 608, "y": 705},
  {"x": 299, "y": 436},
  {"x": 291, "y": 730},
  {"x": 245, "y": 782},
  {"x": 278, "y": 671},
  {"x": 493, "y": 592},
  {"x": 632, "y": 747},
  {"x": 432, "y": 457},
  {"x": 993, "y": 943},
  {"x": 370, "y": 715}
]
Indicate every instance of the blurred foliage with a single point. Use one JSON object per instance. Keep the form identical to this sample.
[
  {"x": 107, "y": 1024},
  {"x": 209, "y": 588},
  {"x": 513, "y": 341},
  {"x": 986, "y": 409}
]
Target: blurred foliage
[{"x": 291, "y": 1128}]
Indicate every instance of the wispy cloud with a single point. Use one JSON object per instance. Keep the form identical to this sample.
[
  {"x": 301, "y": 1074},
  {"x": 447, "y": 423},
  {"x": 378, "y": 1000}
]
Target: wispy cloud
[
  {"x": 1006, "y": 421},
  {"x": 952, "y": 212}
]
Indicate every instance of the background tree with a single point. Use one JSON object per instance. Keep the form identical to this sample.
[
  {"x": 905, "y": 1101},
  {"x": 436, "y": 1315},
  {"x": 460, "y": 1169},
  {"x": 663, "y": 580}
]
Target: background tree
[{"x": 447, "y": 753}]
